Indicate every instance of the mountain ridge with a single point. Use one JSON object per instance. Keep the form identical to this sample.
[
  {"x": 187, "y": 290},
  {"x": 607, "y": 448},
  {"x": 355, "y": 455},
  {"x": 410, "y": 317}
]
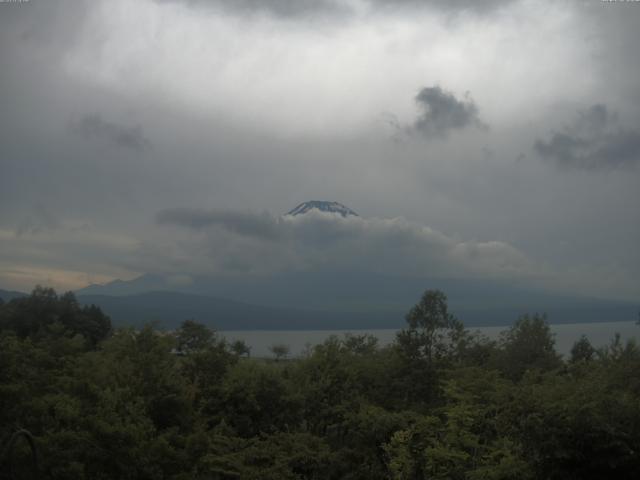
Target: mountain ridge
[
  {"x": 323, "y": 206},
  {"x": 169, "y": 309}
]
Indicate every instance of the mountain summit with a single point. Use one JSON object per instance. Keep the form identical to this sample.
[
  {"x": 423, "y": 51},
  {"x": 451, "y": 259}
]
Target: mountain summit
[{"x": 323, "y": 206}]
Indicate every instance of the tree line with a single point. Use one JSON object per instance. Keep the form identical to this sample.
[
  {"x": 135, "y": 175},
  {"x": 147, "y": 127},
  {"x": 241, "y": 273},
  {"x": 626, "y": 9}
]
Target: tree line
[{"x": 440, "y": 402}]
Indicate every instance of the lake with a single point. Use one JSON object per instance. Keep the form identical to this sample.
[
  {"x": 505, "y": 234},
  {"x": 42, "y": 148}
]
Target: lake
[{"x": 599, "y": 334}]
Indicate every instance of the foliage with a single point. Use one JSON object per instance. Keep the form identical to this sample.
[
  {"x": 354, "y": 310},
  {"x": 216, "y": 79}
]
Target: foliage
[
  {"x": 280, "y": 350},
  {"x": 528, "y": 344},
  {"x": 582, "y": 350},
  {"x": 193, "y": 337},
  {"x": 433, "y": 333},
  {"x": 45, "y": 314},
  {"x": 434, "y": 340},
  {"x": 440, "y": 403},
  {"x": 240, "y": 348}
]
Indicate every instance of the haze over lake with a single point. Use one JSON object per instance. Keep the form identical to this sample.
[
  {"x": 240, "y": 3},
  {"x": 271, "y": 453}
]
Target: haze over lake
[{"x": 599, "y": 334}]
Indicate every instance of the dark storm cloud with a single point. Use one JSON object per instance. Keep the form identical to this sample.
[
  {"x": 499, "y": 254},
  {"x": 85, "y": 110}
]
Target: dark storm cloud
[
  {"x": 280, "y": 8},
  {"x": 303, "y": 8},
  {"x": 94, "y": 126},
  {"x": 442, "y": 112},
  {"x": 243, "y": 223},
  {"x": 476, "y": 6},
  {"x": 595, "y": 141}
]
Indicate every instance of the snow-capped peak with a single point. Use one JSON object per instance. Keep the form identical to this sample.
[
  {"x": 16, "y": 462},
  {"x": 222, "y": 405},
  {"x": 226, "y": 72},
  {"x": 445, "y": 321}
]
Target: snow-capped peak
[{"x": 323, "y": 206}]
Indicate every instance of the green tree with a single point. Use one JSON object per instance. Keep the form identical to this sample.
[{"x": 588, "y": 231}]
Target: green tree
[
  {"x": 365, "y": 344},
  {"x": 240, "y": 348},
  {"x": 280, "y": 350},
  {"x": 582, "y": 350},
  {"x": 280, "y": 456},
  {"x": 460, "y": 439},
  {"x": 45, "y": 314},
  {"x": 433, "y": 340},
  {"x": 193, "y": 336},
  {"x": 327, "y": 384},
  {"x": 205, "y": 360},
  {"x": 433, "y": 332},
  {"x": 528, "y": 344},
  {"x": 255, "y": 398},
  {"x": 580, "y": 426}
]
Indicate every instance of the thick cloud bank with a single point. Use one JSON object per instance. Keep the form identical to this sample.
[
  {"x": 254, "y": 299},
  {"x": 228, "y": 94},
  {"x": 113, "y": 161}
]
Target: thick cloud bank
[
  {"x": 317, "y": 240},
  {"x": 242, "y": 223}
]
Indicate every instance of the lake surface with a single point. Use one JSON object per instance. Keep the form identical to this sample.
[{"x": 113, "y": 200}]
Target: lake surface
[{"x": 599, "y": 334}]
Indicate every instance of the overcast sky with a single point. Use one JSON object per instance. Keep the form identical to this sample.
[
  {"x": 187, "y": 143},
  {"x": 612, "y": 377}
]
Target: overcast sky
[{"x": 492, "y": 139}]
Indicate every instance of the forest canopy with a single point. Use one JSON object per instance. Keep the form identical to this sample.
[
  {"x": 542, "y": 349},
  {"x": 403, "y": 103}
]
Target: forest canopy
[{"x": 439, "y": 402}]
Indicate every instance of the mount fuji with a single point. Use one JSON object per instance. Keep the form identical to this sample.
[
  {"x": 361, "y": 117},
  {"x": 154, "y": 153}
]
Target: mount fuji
[
  {"x": 332, "y": 299},
  {"x": 323, "y": 206}
]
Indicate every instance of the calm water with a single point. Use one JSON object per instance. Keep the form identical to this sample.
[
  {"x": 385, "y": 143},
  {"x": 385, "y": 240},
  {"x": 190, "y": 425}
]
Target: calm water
[{"x": 599, "y": 334}]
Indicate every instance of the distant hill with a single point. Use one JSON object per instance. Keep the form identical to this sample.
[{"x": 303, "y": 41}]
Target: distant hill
[
  {"x": 7, "y": 295},
  {"x": 383, "y": 299},
  {"x": 325, "y": 303},
  {"x": 169, "y": 309},
  {"x": 141, "y": 284}
]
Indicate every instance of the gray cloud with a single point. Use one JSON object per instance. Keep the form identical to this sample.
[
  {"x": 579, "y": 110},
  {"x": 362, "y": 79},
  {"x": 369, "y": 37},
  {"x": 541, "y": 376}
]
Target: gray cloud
[
  {"x": 40, "y": 219},
  {"x": 474, "y": 6},
  {"x": 244, "y": 223},
  {"x": 443, "y": 112},
  {"x": 279, "y": 8},
  {"x": 93, "y": 126},
  {"x": 317, "y": 240},
  {"x": 595, "y": 141},
  {"x": 222, "y": 138},
  {"x": 293, "y": 9}
]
